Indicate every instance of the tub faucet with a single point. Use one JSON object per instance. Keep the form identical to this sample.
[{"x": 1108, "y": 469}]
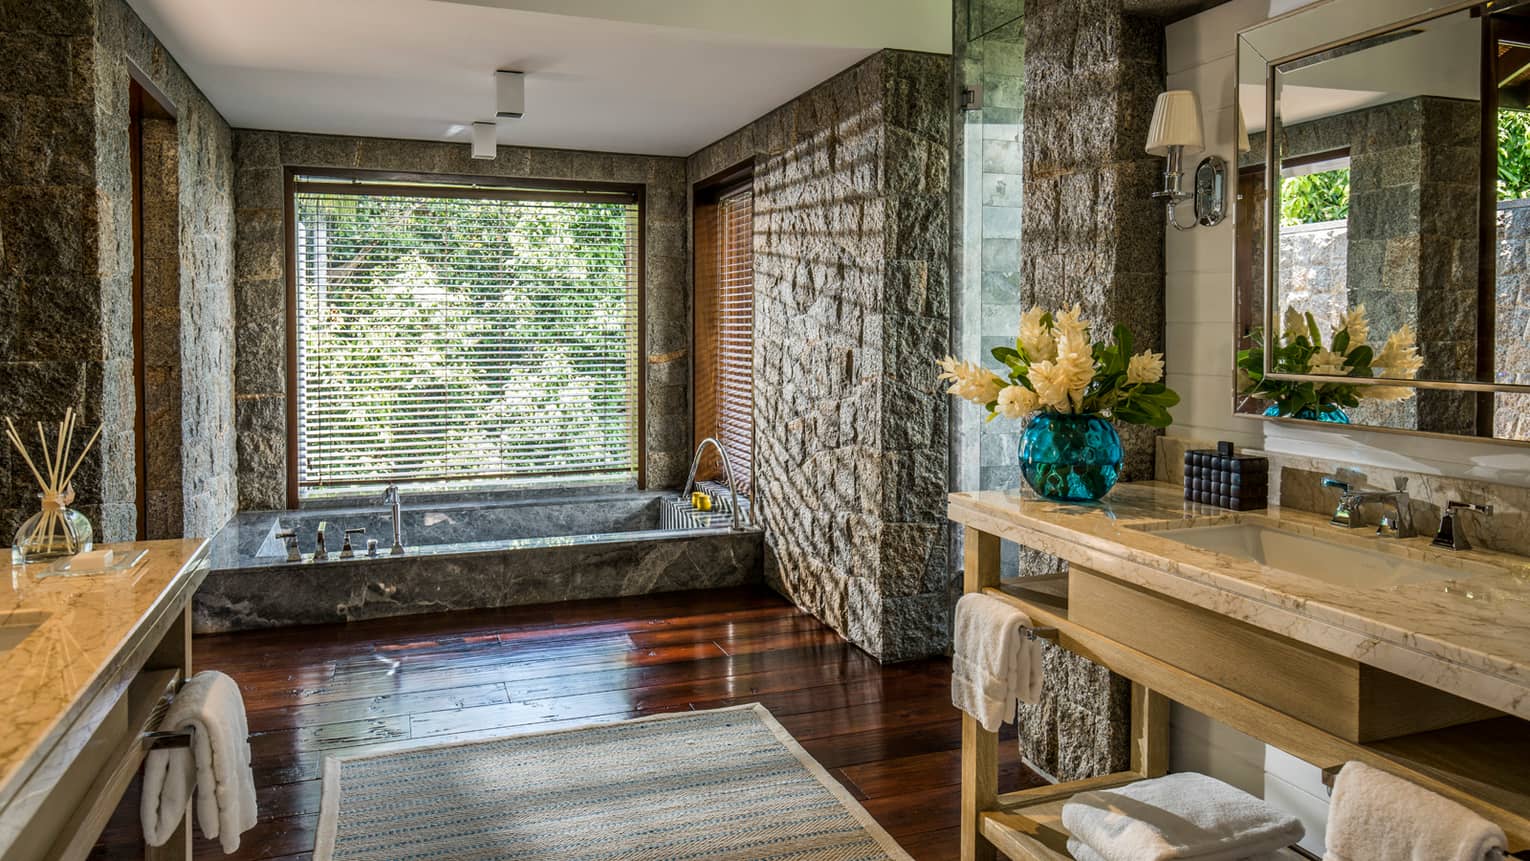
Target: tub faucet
[
  {"x": 320, "y": 552},
  {"x": 690, "y": 481},
  {"x": 391, "y": 499}
]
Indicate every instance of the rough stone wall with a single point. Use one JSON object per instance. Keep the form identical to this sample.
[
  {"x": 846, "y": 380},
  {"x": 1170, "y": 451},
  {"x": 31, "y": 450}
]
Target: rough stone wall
[
  {"x": 1511, "y": 412},
  {"x": 66, "y": 234},
  {"x": 261, "y": 382},
  {"x": 1091, "y": 235},
  {"x": 852, "y": 294},
  {"x": 1313, "y": 260},
  {"x": 206, "y": 263},
  {"x": 50, "y": 304}
]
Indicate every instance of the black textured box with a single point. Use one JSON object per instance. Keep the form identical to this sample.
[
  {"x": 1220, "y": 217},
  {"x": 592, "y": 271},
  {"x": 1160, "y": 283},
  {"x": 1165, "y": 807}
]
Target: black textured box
[{"x": 1235, "y": 481}]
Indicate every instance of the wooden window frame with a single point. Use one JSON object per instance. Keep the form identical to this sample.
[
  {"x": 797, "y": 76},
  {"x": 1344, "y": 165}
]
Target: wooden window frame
[{"x": 706, "y": 194}]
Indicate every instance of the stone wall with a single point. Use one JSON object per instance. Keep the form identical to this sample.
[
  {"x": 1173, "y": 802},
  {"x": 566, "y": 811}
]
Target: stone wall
[
  {"x": 1511, "y": 339},
  {"x": 1313, "y": 260},
  {"x": 261, "y": 382},
  {"x": 66, "y": 265},
  {"x": 1090, "y": 234},
  {"x": 852, "y": 295}
]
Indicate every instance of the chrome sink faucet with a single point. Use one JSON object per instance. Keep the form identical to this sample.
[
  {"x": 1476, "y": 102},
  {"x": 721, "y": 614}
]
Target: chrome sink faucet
[
  {"x": 391, "y": 499},
  {"x": 320, "y": 552},
  {"x": 1450, "y": 535},
  {"x": 1398, "y": 523}
]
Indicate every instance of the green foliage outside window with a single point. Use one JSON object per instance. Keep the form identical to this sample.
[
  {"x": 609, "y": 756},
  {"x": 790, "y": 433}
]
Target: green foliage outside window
[
  {"x": 1314, "y": 197},
  {"x": 1513, "y": 154},
  {"x": 456, "y": 338}
]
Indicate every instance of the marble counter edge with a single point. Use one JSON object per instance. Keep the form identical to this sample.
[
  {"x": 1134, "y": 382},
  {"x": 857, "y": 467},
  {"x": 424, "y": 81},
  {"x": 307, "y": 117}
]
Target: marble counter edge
[{"x": 48, "y": 755}]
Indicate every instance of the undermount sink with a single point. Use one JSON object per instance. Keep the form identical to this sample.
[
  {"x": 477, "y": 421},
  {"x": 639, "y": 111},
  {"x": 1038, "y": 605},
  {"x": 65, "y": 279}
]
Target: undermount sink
[
  {"x": 1333, "y": 562},
  {"x": 17, "y": 627}
]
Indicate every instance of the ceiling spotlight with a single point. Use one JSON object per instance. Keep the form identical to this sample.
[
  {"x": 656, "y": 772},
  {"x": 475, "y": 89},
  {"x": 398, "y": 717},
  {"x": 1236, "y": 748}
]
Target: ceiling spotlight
[
  {"x": 510, "y": 94},
  {"x": 485, "y": 140}
]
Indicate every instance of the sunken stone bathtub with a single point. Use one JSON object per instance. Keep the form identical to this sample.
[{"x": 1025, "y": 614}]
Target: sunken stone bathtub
[{"x": 470, "y": 555}]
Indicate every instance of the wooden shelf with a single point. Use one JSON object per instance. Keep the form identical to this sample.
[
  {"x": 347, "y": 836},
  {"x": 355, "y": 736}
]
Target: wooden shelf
[
  {"x": 1033, "y": 830},
  {"x": 1484, "y": 765}
]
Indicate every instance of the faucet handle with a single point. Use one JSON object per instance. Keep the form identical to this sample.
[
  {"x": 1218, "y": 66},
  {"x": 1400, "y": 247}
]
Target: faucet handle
[
  {"x": 1455, "y": 505},
  {"x": 289, "y": 537},
  {"x": 346, "y": 551}
]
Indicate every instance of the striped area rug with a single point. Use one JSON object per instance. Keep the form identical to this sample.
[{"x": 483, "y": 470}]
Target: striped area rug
[{"x": 724, "y": 785}]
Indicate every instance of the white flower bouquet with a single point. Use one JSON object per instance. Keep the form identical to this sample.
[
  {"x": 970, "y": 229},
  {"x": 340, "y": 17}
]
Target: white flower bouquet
[{"x": 1055, "y": 368}]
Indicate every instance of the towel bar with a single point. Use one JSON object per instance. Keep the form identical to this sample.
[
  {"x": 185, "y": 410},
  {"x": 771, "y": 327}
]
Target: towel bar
[
  {"x": 166, "y": 739},
  {"x": 1048, "y": 634}
]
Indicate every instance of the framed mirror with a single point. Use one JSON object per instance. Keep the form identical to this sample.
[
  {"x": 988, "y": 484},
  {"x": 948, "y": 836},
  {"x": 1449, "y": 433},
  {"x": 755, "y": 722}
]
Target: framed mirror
[{"x": 1383, "y": 217}]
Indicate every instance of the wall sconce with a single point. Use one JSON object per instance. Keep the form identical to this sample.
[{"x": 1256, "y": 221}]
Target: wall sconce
[{"x": 1176, "y": 130}]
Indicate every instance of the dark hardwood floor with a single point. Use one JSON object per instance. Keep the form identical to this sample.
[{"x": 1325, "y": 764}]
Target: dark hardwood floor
[{"x": 889, "y": 734}]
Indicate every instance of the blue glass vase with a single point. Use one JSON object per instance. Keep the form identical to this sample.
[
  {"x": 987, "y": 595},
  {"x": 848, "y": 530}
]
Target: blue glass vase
[
  {"x": 1072, "y": 458},
  {"x": 1326, "y": 413}
]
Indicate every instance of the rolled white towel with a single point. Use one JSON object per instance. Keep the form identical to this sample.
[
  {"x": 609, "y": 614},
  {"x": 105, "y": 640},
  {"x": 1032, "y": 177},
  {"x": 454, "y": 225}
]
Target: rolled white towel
[
  {"x": 993, "y": 665},
  {"x": 1180, "y": 817},
  {"x": 1082, "y": 852},
  {"x": 1376, "y": 816},
  {"x": 217, "y": 765}
]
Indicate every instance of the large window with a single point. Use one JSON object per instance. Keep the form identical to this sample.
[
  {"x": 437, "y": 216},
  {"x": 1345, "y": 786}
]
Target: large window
[
  {"x": 458, "y": 335},
  {"x": 724, "y": 333}
]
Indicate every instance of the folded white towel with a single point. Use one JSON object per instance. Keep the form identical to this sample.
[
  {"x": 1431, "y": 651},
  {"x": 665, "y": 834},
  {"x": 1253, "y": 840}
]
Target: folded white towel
[
  {"x": 217, "y": 764},
  {"x": 1376, "y": 816},
  {"x": 1180, "y": 816},
  {"x": 1081, "y": 852},
  {"x": 993, "y": 665}
]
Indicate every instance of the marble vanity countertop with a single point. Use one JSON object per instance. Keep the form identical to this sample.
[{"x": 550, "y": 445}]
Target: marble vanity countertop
[
  {"x": 87, "y": 630},
  {"x": 1469, "y": 636}
]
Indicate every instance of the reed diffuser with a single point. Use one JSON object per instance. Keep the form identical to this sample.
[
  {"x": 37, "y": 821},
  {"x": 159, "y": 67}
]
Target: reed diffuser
[{"x": 56, "y": 530}]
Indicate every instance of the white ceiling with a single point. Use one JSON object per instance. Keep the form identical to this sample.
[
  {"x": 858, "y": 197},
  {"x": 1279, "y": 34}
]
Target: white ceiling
[{"x": 660, "y": 77}]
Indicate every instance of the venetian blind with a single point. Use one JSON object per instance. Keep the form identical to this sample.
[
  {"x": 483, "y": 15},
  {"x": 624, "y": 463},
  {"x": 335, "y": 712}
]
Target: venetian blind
[
  {"x": 457, "y": 337},
  {"x": 725, "y": 327}
]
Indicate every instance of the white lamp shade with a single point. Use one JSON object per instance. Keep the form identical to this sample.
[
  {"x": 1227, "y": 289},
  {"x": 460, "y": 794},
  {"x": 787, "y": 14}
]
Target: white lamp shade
[
  {"x": 485, "y": 140},
  {"x": 1243, "y": 143},
  {"x": 1176, "y": 122}
]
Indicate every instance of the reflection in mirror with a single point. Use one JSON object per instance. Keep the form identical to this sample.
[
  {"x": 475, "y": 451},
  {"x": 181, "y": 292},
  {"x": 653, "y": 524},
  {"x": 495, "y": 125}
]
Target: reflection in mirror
[{"x": 1391, "y": 251}]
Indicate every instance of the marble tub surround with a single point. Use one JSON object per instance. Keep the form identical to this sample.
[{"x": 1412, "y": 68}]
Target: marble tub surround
[
  {"x": 1296, "y": 483},
  {"x": 1468, "y": 636},
  {"x": 432, "y": 528},
  {"x": 93, "y": 637},
  {"x": 245, "y": 593}
]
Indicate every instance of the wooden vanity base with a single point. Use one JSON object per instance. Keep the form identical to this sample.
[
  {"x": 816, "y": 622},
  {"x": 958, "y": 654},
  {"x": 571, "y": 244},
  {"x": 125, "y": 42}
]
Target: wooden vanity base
[
  {"x": 1311, "y": 704},
  {"x": 1332, "y": 692}
]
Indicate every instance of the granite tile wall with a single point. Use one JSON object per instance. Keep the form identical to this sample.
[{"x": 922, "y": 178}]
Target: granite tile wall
[
  {"x": 66, "y": 266},
  {"x": 1084, "y": 230},
  {"x": 261, "y": 380},
  {"x": 852, "y": 297}
]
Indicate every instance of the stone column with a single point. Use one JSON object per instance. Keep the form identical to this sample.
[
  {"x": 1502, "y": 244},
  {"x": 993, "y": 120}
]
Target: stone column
[{"x": 1091, "y": 235}]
